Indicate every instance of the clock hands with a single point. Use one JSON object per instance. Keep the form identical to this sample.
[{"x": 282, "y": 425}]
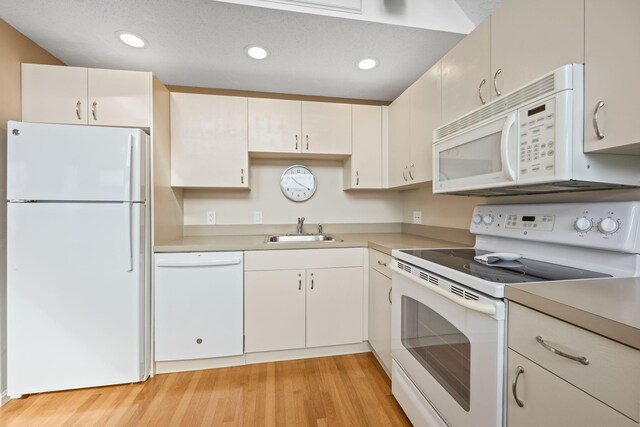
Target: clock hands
[{"x": 299, "y": 183}]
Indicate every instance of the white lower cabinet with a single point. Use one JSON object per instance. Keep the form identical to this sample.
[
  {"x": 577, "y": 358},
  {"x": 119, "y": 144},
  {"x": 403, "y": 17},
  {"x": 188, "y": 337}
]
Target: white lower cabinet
[
  {"x": 380, "y": 307},
  {"x": 306, "y": 298}
]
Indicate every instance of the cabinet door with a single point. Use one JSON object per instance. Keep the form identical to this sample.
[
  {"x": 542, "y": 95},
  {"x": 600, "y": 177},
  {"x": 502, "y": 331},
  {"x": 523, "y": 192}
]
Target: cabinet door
[
  {"x": 380, "y": 316},
  {"x": 274, "y": 125},
  {"x": 551, "y": 401},
  {"x": 326, "y": 128},
  {"x": 209, "y": 141},
  {"x": 364, "y": 168},
  {"x": 274, "y": 310},
  {"x": 334, "y": 306},
  {"x": 399, "y": 140},
  {"x": 612, "y": 67},
  {"x": 425, "y": 116},
  {"x": 54, "y": 94},
  {"x": 465, "y": 74},
  {"x": 533, "y": 38},
  {"x": 119, "y": 98}
]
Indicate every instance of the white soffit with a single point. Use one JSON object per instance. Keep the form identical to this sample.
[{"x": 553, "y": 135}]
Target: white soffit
[{"x": 439, "y": 15}]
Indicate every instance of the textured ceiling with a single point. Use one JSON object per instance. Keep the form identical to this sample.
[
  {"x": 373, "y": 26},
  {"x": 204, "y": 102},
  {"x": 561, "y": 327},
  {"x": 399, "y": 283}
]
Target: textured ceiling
[{"x": 202, "y": 42}]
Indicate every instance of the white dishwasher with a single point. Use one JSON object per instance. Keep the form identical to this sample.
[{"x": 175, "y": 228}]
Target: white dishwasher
[{"x": 198, "y": 305}]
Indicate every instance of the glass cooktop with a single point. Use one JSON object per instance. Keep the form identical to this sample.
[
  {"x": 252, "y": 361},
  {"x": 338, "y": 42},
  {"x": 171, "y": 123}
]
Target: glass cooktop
[{"x": 522, "y": 270}]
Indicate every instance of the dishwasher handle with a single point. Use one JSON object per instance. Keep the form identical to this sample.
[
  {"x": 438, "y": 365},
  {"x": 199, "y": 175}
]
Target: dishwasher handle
[{"x": 207, "y": 263}]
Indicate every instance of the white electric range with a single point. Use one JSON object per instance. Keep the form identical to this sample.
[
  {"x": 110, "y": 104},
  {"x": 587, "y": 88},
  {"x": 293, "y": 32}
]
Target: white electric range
[{"x": 448, "y": 314}]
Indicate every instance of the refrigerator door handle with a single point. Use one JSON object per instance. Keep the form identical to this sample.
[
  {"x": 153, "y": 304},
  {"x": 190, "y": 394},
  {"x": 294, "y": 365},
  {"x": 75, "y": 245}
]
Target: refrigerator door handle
[
  {"x": 129, "y": 212},
  {"x": 128, "y": 171}
]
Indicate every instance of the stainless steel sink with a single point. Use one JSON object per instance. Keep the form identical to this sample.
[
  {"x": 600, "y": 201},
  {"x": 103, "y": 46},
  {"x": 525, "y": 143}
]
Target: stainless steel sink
[{"x": 299, "y": 238}]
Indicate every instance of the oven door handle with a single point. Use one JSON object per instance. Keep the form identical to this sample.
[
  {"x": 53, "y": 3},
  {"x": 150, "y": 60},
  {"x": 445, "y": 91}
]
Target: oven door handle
[{"x": 479, "y": 306}]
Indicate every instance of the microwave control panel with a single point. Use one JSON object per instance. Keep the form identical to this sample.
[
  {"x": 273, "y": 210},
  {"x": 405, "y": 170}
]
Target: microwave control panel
[{"x": 537, "y": 141}]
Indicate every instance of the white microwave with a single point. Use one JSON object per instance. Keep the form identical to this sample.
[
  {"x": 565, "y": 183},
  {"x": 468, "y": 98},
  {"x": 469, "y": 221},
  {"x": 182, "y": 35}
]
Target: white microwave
[{"x": 530, "y": 141}]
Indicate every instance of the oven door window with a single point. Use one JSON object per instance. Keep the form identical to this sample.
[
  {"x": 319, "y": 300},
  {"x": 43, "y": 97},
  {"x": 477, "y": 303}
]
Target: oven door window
[{"x": 443, "y": 350}]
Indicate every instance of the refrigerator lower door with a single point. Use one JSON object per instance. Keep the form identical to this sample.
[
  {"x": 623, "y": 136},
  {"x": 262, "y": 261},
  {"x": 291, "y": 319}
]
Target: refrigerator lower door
[
  {"x": 75, "y": 297},
  {"x": 75, "y": 163}
]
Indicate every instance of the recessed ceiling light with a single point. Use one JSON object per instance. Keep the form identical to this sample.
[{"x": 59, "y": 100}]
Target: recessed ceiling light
[
  {"x": 257, "y": 52},
  {"x": 367, "y": 63},
  {"x": 131, "y": 39}
]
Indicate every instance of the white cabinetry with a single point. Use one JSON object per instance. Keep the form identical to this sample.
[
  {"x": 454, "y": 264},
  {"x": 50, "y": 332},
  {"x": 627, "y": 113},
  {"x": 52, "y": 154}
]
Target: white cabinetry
[
  {"x": 363, "y": 170},
  {"x": 612, "y": 67},
  {"x": 380, "y": 307},
  {"x": 74, "y": 95},
  {"x": 326, "y": 128},
  {"x": 198, "y": 305},
  {"x": 209, "y": 141},
  {"x": 303, "y": 298},
  {"x": 593, "y": 383}
]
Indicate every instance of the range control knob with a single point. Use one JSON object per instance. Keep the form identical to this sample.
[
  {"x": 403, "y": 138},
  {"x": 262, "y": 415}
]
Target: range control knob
[
  {"x": 608, "y": 226},
  {"x": 487, "y": 219},
  {"x": 582, "y": 224},
  {"x": 477, "y": 219}
]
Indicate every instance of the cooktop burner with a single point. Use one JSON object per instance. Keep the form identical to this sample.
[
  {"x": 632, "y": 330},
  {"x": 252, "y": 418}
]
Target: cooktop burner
[{"x": 522, "y": 270}]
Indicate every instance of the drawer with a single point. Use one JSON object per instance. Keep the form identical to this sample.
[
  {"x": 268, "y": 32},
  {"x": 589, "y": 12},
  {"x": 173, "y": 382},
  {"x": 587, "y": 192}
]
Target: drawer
[
  {"x": 303, "y": 258},
  {"x": 379, "y": 261},
  {"x": 612, "y": 374},
  {"x": 551, "y": 401}
]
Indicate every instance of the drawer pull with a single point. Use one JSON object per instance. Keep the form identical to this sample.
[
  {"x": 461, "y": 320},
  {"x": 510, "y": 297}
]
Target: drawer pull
[
  {"x": 519, "y": 370},
  {"x": 580, "y": 359},
  {"x": 382, "y": 263}
]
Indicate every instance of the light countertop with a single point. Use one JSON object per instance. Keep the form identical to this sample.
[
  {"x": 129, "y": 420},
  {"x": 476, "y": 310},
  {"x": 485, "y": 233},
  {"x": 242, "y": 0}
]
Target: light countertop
[
  {"x": 383, "y": 242},
  {"x": 609, "y": 307}
]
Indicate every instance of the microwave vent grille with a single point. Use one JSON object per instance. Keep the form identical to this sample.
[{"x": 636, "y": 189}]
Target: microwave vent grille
[{"x": 534, "y": 90}]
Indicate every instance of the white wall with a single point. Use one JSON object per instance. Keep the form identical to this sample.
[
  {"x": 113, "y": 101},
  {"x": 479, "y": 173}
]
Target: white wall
[{"x": 330, "y": 204}]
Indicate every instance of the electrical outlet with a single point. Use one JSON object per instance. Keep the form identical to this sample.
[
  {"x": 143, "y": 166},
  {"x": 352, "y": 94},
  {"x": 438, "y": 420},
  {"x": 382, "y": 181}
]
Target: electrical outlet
[
  {"x": 211, "y": 217},
  {"x": 417, "y": 217},
  {"x": 257, "y": 217}
]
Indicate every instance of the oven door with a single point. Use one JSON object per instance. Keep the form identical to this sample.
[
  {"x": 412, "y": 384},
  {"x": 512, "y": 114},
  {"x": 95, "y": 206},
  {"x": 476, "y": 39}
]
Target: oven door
[
  {"x": 483, "y": 157},
  {"x": 452, "y": 353}
]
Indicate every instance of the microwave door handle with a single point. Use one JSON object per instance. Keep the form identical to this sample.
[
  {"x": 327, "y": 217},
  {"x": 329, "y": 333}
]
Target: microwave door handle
[{"x": 504, "y": 145}]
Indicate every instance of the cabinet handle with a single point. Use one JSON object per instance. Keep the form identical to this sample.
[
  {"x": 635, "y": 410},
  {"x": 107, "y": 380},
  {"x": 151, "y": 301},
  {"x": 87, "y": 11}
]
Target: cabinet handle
[
  {"x": 495, "y": 81},
  {"x": 404, "y": 173},
  {"x": 579, "y": 359},
  {"x": 357, "y": 178},
  {"x": 94, "y": 112},
  {"x": 78, "y": 105},
  {"x": 410, "y": 173},
  {"x": 307, "y": 142},
  {"x": 299, "y": 282},
  {"x": 311, "y": 280},
  {"x": 382, "y": 263},
  {"x": 390, "y": 302},
  {"x": 482, "y": 83},
  {"x": 599, "y": 134},
  {"x": 519, "y": 370},
  {"x": 241, "y": 176},
  {"x": 296, "y": 142}
]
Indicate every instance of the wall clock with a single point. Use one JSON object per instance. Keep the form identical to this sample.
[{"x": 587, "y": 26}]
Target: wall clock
[{"x": 298, "y": 183}]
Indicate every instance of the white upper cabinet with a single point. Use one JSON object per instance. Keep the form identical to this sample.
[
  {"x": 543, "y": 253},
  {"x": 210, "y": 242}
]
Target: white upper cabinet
[
  {"x": 364, "y": 168},
  {"x": 533, "y": 38},
  {"x": 274, "y": 125},
  {"x": 73, "y": 95},
  {"x": 466, "y": 70},
  {"x": 326, "y": 128},
  {"x": 209, "y": 141},
  {"x": 399, "y": 139},
  {"x": 612, "y": 70}
]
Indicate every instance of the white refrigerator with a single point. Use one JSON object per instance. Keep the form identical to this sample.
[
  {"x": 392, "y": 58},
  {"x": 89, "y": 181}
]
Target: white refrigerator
[{"x": 77, "y": 257}]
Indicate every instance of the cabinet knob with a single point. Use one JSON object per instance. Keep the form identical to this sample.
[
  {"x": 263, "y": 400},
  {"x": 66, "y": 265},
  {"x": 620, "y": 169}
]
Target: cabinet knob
[
  {"x": 199, "y": 341},
  {"x": 495, "y": 81},
  {"x": 307, "y": 136},
  {"x": 241, "y": 176},
  {"x": 357, "y": 178},
  {"x": 404, "y": 173},
  {"x": 296, "y": 142},
  {"x": 599, "y": 134},
  {"x": 482, "y": 83},
  {"x": 411, "y": 171},
  {"x": 311, "y": 280},
  {"x": 299, "y": 282},
  {"x": 94, "y": 110},
  {"x": 78, "y": 105},
  {"x": 519, "y": 370}
]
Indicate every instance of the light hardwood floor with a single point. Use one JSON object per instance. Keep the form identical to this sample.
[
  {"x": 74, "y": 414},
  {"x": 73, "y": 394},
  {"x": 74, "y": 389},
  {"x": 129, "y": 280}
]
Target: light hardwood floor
[{"x": 349, "y": 390}]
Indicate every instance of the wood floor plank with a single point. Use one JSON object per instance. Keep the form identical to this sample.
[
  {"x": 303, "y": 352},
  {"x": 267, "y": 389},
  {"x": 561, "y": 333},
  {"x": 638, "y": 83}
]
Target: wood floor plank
[{"x": 350, "y": 390}]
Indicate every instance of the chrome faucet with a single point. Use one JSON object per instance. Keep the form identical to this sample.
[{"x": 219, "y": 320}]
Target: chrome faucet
[{"x": 300, "y": 224}]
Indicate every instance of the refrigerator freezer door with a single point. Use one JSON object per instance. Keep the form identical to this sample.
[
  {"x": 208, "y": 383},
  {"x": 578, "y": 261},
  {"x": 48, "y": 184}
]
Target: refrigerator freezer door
[
  {"x": 75, "y": 163},
  {"x": 75, "y": 303}
]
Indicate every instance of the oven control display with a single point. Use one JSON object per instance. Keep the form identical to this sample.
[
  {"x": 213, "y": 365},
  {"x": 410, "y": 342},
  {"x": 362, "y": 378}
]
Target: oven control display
[{"x": 530, "y": 222}]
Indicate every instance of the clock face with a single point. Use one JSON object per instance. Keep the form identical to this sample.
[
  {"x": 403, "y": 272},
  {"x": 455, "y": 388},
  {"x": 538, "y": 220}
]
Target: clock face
[{"x": 298, "y": 183}]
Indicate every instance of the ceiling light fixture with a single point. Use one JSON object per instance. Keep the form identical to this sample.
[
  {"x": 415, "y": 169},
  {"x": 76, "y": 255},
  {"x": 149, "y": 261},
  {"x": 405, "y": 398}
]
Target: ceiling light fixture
[
  {"x": 257, "y": 52},
  {"x": 367, "y": 64},
  {"x": 131, "y": 39}
]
